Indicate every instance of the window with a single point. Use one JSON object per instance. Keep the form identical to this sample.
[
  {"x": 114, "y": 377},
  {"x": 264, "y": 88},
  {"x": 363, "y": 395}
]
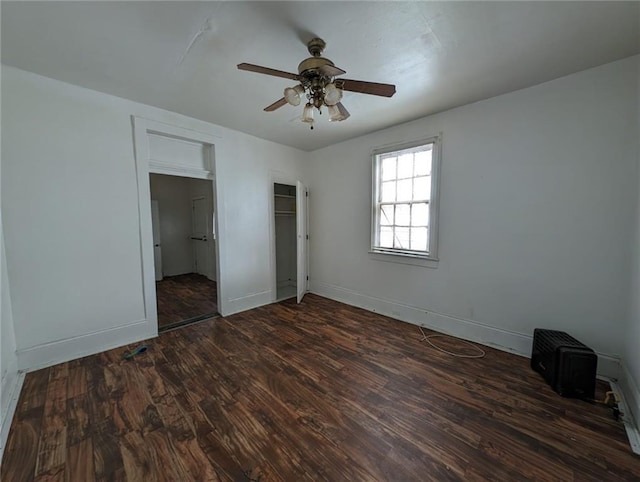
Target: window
[{"x": 405, "y": 199}]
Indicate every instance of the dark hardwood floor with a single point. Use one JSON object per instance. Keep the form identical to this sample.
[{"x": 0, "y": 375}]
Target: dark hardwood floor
[
  {"x": 317, "y": 391},
  {"x": 185, "y": 297}
]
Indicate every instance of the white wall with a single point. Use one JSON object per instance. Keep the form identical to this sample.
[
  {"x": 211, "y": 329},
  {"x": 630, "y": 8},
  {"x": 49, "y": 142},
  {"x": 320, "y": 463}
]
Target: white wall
[
  {"x": 70, "y": 208},
  {"x": 173, "y": 194},
  {"x": 631, "y": 357},
  {"x": 537, "y": 207},
  {"x": 286, "y": 250},
  {"x": 8, "y": 361}
]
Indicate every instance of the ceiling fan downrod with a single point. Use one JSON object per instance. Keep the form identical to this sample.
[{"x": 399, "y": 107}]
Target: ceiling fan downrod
[{"x": 316, "y": 46}]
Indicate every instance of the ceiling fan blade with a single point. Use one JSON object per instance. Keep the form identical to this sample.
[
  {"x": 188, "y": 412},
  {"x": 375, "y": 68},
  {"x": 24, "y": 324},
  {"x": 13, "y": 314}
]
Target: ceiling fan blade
[
  {"x": 361, "y": 87},
  {"x": 276, "y": 105},
  {"x": 331, "y": 70},
  {"x": 265, "y": 70}
]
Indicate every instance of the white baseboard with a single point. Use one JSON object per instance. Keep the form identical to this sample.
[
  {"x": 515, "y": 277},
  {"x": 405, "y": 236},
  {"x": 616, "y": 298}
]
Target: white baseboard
[
  {"x": 631, "y": 394},
  {"x": 11, "y": 389},
  {"x": 631, "y": 391},
  {"x": 60, "y": 351},
  {"x": 244, "y": 303},
  {"x": 625, "y": 404},
  {"x": 509, "y": 341}
]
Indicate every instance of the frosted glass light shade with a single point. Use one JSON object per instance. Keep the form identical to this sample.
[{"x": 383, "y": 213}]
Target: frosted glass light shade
[
  {"x": 292, "y": 94},
  {"x": 307, "y": 114},
  {"x": 337, "y": 112},
  {"x": 332, "y": 95},
  {"x": 334, "y": 113}
]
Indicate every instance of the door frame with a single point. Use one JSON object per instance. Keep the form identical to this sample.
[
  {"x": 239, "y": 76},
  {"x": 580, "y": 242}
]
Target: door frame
[
  {"x": 145, "y": 166},
  {"x": 280, "y": 177},
  {"x": 302, "y": 195},
  {"x": 155, "y": 213}
]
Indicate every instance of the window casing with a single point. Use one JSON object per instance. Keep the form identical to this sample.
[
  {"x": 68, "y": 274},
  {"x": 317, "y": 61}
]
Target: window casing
[{"x": 405, "y": 199}]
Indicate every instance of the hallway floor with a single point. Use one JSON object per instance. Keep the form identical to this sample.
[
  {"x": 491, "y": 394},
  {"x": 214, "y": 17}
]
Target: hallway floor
[{"x": 184, "y": 297}]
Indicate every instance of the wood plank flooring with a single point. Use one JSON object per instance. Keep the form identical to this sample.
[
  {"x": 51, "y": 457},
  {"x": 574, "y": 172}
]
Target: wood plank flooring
[
  {"x": 317, "y": 391},
  {"x": 184, "y": 297}
]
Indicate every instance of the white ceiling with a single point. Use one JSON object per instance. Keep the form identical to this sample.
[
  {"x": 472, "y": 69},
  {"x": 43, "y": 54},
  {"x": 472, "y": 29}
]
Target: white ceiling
[{"x": 439, "y": 55}]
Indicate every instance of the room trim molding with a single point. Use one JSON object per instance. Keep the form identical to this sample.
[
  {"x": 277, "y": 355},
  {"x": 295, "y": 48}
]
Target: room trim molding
[
  {"x": 60, "y": 351},
  {"x": 142, "y": 127},
  {"x": 631, "y": 393},
  {"x": 244, "y": 303},
  {"x": 178, "y": 132},
  {"x": 12, "y": 387},
  {"x": 278, "y": 177},
  {"x": 162, "y": 167},
  {"x": 504, "y": 340}
]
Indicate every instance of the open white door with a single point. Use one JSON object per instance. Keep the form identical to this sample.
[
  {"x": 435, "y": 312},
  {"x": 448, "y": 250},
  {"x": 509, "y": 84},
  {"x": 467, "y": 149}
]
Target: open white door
[
  {"x": 301, "y": 228},
  {"x": 200, "y": 235},
  {"x": 157, "y": 246}
]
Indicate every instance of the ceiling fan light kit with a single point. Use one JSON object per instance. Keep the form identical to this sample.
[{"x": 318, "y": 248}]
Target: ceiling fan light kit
[
  {"x": 338, "y": 112},
  {"x": 307, "y": 114},
  {"x": 293, "y": 94},
  {"x": 332, "y": 95},
  {"x": 317, "y": 81}
]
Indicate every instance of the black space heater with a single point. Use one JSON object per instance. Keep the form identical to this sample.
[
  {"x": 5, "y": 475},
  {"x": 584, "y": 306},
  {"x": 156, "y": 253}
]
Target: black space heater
[{"x": 566, "y": 364}]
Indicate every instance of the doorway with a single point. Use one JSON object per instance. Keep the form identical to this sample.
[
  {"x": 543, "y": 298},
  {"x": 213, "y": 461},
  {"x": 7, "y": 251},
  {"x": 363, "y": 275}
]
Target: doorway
[
  {"x": 286, "y": 241},
  {"x": 290, "y": 240},
  {"x": 183, "y": 225}
]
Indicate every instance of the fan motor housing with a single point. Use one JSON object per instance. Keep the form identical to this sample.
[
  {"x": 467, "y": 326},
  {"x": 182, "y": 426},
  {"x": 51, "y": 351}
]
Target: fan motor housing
[{"x": 313, "y": 63}]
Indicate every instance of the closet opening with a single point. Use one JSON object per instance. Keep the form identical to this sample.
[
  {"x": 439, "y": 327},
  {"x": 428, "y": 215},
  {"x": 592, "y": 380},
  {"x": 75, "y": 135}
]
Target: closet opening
[
  {"x": 284, "y": 203},
  {"x": 289, "y": 240}
]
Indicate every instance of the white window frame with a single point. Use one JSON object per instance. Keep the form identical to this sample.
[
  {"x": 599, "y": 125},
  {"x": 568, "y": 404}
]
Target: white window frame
[{"x": 425, "y": 258}]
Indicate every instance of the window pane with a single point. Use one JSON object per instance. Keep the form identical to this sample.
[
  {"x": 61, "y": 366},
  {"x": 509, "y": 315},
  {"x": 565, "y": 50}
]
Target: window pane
[
  {"x": 419, "y": 239},
  {"x": 420, "y": 214},
  {"x": 388, "y": 191},
  {"x": 405, "y": 166},
  {"x": 401, "y": 238},
  {"x": 388, "y": 168},
  {"x": 405, "y": 190},
  {"x": 422, "y": 188},
  {"x": 423, "y": 163},
  {"x": 386, "y": 237},
  {"x": 403, "y": 214},
  {"x": 404, "y": 198},
  {"x": 386, "y": 215}
]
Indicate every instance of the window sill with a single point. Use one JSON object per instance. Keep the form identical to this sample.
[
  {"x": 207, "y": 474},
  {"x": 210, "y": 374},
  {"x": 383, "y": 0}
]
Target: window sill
[{"x": 403, "y": 258}]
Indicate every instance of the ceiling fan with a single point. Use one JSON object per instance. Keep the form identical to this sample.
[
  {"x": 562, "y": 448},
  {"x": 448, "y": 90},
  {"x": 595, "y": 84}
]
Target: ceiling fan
[{"x": 317, "y": 80}]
